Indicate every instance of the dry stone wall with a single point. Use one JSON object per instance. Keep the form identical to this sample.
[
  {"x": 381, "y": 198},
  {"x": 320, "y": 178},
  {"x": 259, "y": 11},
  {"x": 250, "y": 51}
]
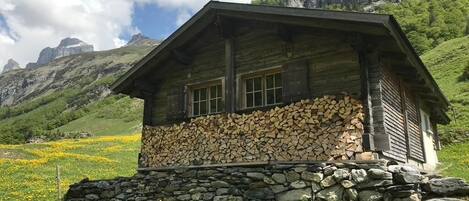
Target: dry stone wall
[
  {"x": 347, "y": 180},
  {"x": 327, "y": 128}
]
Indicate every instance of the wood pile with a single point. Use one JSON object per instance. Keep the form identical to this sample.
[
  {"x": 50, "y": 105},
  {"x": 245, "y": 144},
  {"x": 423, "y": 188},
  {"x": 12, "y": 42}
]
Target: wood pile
[{"x": 327, "y": 128}]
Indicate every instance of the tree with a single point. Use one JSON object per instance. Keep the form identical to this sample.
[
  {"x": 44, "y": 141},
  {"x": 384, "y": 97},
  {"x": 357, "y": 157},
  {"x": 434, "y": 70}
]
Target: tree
[{"x": 427, "y": 23}]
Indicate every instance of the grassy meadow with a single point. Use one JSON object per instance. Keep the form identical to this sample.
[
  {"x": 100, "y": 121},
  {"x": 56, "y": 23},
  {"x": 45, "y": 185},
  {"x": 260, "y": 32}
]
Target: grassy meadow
[
  {"x": 27, "y": 172},
  {"x": 455, "y": 160}
]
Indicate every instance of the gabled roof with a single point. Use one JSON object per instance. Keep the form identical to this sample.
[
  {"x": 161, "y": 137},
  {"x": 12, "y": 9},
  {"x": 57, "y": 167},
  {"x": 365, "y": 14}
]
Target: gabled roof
[{"x": 367, "y": 23}]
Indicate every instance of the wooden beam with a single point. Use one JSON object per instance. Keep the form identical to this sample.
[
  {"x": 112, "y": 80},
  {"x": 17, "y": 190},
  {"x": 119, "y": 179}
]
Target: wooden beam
[
  {"x": 148, "y": 108},
  {"x": 362, "y": 27},
  {"x": 142, "y": 85},
  {"x": 366, "y": 60},
  {"x": 230, "y": 96},
  {"x": 285, "y": 33},
  {"x": 181, "y": 57},
  {"x": 225, "y": 26}
]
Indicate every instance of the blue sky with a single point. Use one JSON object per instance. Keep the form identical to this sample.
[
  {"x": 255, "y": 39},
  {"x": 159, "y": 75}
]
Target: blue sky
[
  {"x": 28, "y": 26},
  {"x": 153, "y": 21}
]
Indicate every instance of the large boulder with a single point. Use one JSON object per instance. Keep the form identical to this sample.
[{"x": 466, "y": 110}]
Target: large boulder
[
  {"x": 447, "y": 187},
  {"x": 334, "y": 193},
  {"x": 370, "y": 195},
  {"x": 295, "y": 195}
]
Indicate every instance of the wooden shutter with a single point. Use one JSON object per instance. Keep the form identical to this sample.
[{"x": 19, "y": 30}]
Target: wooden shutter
[
  {"x": 176, "y": 104},
  {"x": 295, "y": 81},
  {"x": 393, "y": 117},
  {"x": 414, "y": 134}
]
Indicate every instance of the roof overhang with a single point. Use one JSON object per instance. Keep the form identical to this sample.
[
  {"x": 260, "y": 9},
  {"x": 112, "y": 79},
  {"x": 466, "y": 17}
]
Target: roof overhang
[{"x": 366, "y": 23}]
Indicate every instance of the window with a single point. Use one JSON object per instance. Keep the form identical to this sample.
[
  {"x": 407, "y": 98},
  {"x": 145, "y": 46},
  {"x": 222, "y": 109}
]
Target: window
[
  {"x": 426, "y": 125},
  {"x": 263, "y": 90},
  {"x": 207, "y": 100}
]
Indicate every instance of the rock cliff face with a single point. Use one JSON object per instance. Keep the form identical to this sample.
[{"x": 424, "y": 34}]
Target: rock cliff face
[
  {"x": 141, "y": 40},
  {"x": 80, "y": 70},
  {"x": 11, "y": 65},
  {"x": 68, "y": 46}
]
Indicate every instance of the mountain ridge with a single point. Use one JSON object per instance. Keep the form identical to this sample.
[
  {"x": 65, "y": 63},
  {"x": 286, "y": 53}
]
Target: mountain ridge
[
  {"x": 36, "y": 103},
  {"x": 10, "y": 65},
  {"x": 67, "y": 46}
]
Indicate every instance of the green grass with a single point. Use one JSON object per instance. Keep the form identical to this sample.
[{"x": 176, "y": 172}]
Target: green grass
[
  {"x": 455, "y": 160},
  {"x": 81, "y": 102},
  {"x": 100, "y": 127},
  {"x": 447, "y": 63},
  {"x": 114, "y": 117},
  {"x": 30, "y": 174}
]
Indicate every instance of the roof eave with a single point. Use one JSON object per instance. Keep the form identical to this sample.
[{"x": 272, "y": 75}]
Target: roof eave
[
  {"x": 401, "y": 39},
  {"x": 123, "y": 83}
]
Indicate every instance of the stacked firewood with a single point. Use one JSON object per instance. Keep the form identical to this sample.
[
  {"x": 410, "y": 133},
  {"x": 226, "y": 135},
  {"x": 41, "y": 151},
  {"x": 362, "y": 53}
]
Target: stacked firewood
[{"x": 327, "y": 128}]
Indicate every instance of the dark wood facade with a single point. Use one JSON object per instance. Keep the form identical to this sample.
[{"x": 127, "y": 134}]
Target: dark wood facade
[{"x": 315, "y": 56}]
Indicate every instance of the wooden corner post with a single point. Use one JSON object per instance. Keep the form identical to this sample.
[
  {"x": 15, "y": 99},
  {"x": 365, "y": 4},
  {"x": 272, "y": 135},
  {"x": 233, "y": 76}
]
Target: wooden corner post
[
  {"x": 365, "y": 61},
  {"x": 225, "y": 27}
]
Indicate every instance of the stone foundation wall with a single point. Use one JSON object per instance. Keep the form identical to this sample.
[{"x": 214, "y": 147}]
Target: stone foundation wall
[
  {"x": 348, "y": 180},
  {"x": 327, "y": 128}
]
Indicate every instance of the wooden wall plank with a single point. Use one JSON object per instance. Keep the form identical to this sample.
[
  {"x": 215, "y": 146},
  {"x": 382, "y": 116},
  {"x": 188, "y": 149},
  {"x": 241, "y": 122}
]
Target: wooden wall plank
[{"x": 334, "y": 68}]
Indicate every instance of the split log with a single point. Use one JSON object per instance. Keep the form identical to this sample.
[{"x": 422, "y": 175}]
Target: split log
[{"x": 325, "y": 128}]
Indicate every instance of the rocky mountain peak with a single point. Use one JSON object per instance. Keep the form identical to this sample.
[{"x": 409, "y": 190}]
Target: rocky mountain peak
[
  {"x": 71, "y": 42},
  {"x": 11, "y": 65},
  {"x": 141, "y": 40},
  {"x": 67, "y": 46}
]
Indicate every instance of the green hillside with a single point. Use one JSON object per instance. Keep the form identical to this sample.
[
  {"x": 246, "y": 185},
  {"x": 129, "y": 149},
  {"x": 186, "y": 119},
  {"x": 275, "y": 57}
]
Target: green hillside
[
  {"x": 449, "y": 64},
  {"x": 76, "y": 101}
]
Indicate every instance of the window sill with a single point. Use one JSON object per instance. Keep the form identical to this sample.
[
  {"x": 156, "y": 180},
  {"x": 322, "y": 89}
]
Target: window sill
[
  {"x": 204, "y": 115},
  {"x": 262, "y": 108}
]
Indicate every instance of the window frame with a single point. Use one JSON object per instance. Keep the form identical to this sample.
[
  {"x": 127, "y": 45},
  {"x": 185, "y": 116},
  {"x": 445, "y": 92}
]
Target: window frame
[
  {"x": 207, "y": 86},
  {"x": 263, "y": 74},
  {"x": 426, "y": 124}
]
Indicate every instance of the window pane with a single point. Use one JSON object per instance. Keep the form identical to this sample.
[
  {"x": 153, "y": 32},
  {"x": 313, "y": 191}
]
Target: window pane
[
  {"x": 196, "y": 94},
  {"x": 213, "y": 91},
  {"x": 249, "y": 99},
  {"x": 203, "y": 107},
  {"x": 249, "y": 83},
  {"x": 195, "y": 109},
  {"x": 258, "y": 99},
  {"x": 220, "y": 105},
  {"x": 270, "y": 81},
  {"x": 213, "y": 106},
  {"x": 219, "y": 94},
  {"x": 270, "y": 97},
  {"x": 257, "y": 83},
  {"x": 278, "y": 95},
  {"x": 203, "y": 94},
  {"x": 278, "y": 80}
]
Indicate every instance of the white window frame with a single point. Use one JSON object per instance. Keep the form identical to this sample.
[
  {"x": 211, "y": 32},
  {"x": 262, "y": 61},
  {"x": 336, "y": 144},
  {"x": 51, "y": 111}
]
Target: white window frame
[
  {"x": 263, "y": 74},
  {"x": 206, "y": 85},
  {"x": 426, "y": 123}
]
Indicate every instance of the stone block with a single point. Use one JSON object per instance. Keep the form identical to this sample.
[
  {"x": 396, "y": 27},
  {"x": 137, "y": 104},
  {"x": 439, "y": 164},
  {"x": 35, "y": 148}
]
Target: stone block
[{"x": 295, "y": 195}]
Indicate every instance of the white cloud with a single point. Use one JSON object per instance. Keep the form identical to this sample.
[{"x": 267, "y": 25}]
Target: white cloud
[
  {"x": 182, "y": 17},
  {"x": 41, "y": 23},
  {"x": 33, "y": 25}
]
